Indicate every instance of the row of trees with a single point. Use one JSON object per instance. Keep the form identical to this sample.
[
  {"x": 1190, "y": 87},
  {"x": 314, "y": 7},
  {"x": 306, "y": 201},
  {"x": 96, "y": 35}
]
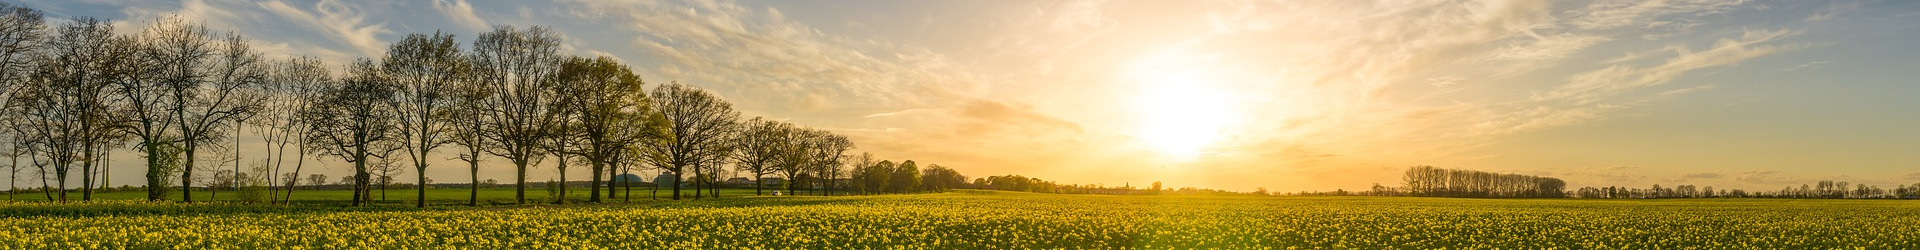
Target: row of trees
[
  {"x": 1440, "y": 182},
  {"x": 74, "y": 92},
  {"x": 176, "y": 90},
  {"x": 1820, "y": 190}
]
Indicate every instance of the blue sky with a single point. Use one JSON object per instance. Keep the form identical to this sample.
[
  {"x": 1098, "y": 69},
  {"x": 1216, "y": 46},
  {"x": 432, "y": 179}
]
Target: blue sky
[{"x": 1290, "y": 95}]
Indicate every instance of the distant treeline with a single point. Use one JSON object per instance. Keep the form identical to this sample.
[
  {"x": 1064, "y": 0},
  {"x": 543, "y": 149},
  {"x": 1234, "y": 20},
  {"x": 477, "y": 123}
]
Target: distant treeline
[
  {"x": 1820, "y": 190},
  {"x": 1440, "y": 182}
]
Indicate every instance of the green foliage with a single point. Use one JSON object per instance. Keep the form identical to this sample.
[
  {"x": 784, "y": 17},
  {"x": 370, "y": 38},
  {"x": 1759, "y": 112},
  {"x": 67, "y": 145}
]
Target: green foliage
[{"x": 906, "y": 177}]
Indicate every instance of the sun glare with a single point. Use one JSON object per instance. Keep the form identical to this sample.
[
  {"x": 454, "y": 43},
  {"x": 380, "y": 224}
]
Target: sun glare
[{"x": 1182, "y": 114}]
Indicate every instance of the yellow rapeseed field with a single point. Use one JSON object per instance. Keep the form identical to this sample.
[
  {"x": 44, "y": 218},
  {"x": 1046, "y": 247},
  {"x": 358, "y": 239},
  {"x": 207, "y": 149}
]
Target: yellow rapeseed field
[{"x": 987, "y": 220}]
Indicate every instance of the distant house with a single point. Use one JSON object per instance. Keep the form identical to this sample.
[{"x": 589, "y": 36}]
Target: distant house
[
  {"x": 740, "y": 181},
  {"x": 773, "y": 181}
]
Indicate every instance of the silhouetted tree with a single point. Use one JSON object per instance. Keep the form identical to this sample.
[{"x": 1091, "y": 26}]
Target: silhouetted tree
[
  {"x": 759, "y": 147},
  {"x": 1431, "y": 181},
  {"x": 65, "y": 99},
  {"x": 937, "y": 178},
  {"x": 205, "y": 77},
  {"x": 828, "y": 156},
  {"x": 906, "y": 177},
  {"x": 292, "y": 86},
  {"x": 611, "y": 112},
  {"x": 353, "y": 123},
  {"x": 516, "y": 66},
  {"x": 697, "y": 121},
  {"x": 425, "y": 71}
]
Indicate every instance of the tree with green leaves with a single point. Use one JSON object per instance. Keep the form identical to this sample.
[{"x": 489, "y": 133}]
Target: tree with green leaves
[
  {"x": 610, "y": 112},
  {"x": 906, "y": 177}
]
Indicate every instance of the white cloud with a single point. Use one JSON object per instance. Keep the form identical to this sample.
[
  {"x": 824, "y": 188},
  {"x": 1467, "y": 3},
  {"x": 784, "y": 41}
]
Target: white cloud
[
  {"x": 461, "y": 13},
  {"x": 339, "y": 21}
]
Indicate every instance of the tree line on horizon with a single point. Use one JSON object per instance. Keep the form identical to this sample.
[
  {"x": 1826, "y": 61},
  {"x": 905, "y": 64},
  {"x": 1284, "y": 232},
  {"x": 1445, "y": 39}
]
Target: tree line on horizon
[
  {"x": 1431, "y": 181},
  {"x": 181, "y": 96},
  {"x": 1440, "y": 182}
]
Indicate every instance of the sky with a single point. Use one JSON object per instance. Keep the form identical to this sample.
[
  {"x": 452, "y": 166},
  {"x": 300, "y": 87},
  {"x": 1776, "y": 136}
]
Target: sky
[{"x": 1236, "y": 95}]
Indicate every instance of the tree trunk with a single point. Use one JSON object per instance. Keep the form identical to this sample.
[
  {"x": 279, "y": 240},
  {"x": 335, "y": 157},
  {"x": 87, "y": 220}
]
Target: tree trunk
[
  {"x": 421, "y": 200},
  {"x": 628, "y": 185},
  {"x": 597, "y": 165},
  {"x": 677, "y": 178},
  {"x": 86, "y": 173},
  {"x": 563, "y": 179},
  {"x": 520, "y": 182},
  {"x": 756, "y": 183},
  {"x": 186, "y": 173},
  {"x": 473, "y": 195},
  {"x": 296, "y": 172},
  {"x": 63, "y": 187},
  {"x": 155, "y": 189},
  {"x": 611, "y": 169},
  {"x": 360, "y": 176}
]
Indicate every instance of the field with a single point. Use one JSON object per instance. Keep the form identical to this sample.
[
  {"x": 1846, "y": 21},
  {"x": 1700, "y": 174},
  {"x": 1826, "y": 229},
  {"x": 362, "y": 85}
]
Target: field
[
  {"x": 990, "y": 220},
  {"x": 395, "y": 196}
]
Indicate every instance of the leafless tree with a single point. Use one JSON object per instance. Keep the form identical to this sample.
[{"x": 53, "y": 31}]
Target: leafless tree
[
  {"x": 291, "y": 87},
  {"x": 205, "y": 78},
  {"x": 65, "y": 98},
  {"x": 517, "y": 66},
  {"x": 384, "y": 169},
  {"x": 697, "y": 123},
  {"x": 22, "y": 30},
  {"x": 469, "y": 127},
  {"x": 759, "y": 146},
  {"x": 425, "y": 70},
  {"x": 353, "y": 123},
  {"x": 827, "y": 155}
]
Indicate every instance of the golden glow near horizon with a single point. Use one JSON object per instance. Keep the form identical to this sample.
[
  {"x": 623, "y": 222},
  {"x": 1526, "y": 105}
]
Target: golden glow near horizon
[{"x": 1285, "y": 95}]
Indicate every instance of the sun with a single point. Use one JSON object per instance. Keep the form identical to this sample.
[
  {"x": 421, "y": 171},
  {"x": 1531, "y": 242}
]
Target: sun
[{"x": 1183, "y": 114}]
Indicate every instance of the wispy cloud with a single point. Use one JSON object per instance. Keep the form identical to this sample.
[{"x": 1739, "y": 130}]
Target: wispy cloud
[
  {"x": 341, "y": 22},
  {"x": 461, "y": 13}
]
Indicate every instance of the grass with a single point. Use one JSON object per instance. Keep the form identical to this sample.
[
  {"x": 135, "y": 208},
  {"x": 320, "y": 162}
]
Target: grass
[
  {"x": 435, "y": 196},
  {"x": 986, "y": 220}
]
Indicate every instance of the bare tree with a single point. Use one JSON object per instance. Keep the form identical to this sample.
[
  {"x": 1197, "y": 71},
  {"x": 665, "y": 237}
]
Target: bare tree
[
  {"x": 65, "y": 98},
  {"x": 353, "y": 123},
  {"x": 469, "y": 127},
  {"x": 516, "y": 66},
  {"x": 759, "y": 147},
  {"x": 204, "y": 77},
  {"x": 827, "y": 154},
  {"x": 291, "y": 87},
  {"x": 425, "y": 71},
  {"x": 795, "y": 155},
  {"x": 22, "y": 30},
  {"x": 384, "y": 169},
  {"x": 697, "y": 123}
]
